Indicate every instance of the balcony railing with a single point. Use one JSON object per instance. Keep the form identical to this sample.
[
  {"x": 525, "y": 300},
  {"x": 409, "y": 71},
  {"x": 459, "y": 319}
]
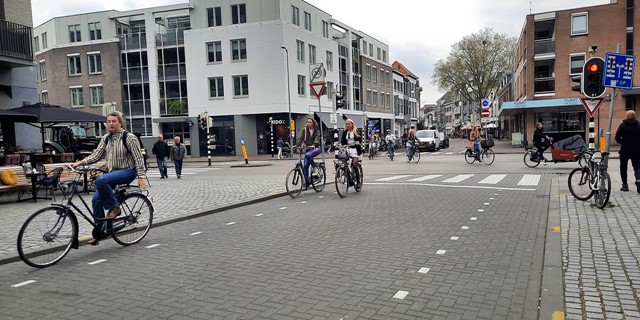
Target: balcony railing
[
  {"x": 545, "y": 85},
  {"x": 15, "y": 40},
  {"x": 545, "y": 46},
  {"x": 170, "y": 38},
  {"x": 133, "y": 41}
]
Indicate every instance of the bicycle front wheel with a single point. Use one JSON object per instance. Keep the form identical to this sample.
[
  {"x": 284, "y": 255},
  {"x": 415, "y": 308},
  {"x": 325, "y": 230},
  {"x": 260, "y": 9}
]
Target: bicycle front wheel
[
  {"x": 137, "y": 216},
  {"x": 416, "y": 156},
  {"x": 342, "y": 182},
  {"x": 319, "y": 178},
  {"x": 601, "y": 196},
  {"x": 527, "y": 159},
  {"x": 579, "y": 180},
  {"x": 468, "y": 156},
  {"x": 295, "y": 182},
  {"x": 488, "y": 156},
  {"x": 46, "y": 237}
]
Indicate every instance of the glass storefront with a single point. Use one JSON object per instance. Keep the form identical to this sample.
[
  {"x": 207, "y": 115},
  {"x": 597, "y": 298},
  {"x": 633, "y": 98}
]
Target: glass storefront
[
  {"x": 223, "y": 141},
  {"x": 263, "y": 130},
  {"x": 170, "y": 130},
  {"x": 561, "y": 125}
]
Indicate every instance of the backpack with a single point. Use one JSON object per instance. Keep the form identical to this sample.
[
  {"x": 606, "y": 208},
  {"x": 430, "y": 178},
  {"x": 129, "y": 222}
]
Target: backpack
[{"x": 124, "y": 140}]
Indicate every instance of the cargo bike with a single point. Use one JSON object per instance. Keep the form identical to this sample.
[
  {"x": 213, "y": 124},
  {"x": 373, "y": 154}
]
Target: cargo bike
[{"x": 572, "y": 149}]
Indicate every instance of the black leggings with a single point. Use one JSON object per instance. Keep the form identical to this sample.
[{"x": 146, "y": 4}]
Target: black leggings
[
  {"x": 624, "y": 165},
  {"x": 541, "y": 148}
]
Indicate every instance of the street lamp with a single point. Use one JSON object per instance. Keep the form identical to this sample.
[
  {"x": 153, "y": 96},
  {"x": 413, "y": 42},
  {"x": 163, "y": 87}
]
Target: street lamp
[{"x": 289, "y": 96}]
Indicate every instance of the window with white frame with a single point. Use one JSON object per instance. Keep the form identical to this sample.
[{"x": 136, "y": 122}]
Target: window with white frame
[
  {"x": 370, "y": 49},
  {"x": 381, "y": 78},
  {"x": 579, "y": 23},
  {"x": 384, "y": 55},
  {"x": 36, "y": 43},
  {"x": 576, "y": 62},
  {"x": 307, "y": 20},
  {"x": 95, "y": 31},
  {"x": 238, "y": 13},
  {"x": 97, "y": 95},
  {"x": 214, "y": 17},
  {"x": 388, "y": 78},
  {"x": 216, "y": 87},
  {"x": 312, "y": 54},
  {"x": 374, "y": 74},
  {"x": 302, "y": 85},
  {"x": 369, "y": 97},
  {"x": 76, "y": 96},
  {"x": 238, "y": 49},
  {"x": 45, "y": 43},
  {"x": 42, "y": 66},
  {"x": 214, "y": 51},
  {"x": 375, "y": 98},
  {"x": 74, "y": 65},
  {"x": 241, "y": 85},
  {"x": 364, "y": 47},
  {"x": 95, "y": 62},
  {"x": 300, "y": 50},
  {"x": 379, "y": 56},
  {"x": 74, "y": 33},
  {"x": 367, "y": 72},
  {"x": 295, "y": 15},
  {"x": 329, "y": 90},
  {"x": 44, "y": 97},
  {"x": 329, "y": 60},
  {"x": 325, "y": 29}
]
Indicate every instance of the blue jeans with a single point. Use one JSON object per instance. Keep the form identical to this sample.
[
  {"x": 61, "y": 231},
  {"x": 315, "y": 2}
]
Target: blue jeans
[
  {"x": 162, "y": 166},
  {"x": 178, "y": 165},
  {"x": 392, "y": 148},
  {"x": 104, "y": 198},
  {"x": 308, "y": 162},
  {"x": 476, "y": 149},
  {"x": 410, "y": 151}
]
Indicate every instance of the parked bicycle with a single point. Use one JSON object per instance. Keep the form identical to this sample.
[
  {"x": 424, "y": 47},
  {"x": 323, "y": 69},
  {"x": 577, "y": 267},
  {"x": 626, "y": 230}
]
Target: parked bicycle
[
  {"x": 50, "y": 233},
  {"x": 592, "y": 180},
  {"x": 347, "y": 173},
  {"x": 414, "y": 155},
  {"x": 486, "y": 153},
  {"x": 295, "y": 178}
]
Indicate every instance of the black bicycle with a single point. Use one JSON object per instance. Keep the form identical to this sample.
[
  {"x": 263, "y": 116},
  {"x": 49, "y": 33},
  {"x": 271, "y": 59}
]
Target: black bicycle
[
  {"x": 50, "y": 233},
  {"x": 414, "y": 154},
  {"x": 295, "y": 178},
  {"x": 347, "y": 173}
]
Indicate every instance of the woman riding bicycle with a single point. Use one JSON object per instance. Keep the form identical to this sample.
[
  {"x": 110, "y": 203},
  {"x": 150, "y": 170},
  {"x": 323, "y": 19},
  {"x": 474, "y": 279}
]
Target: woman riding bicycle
[
  {"x": 474, "y": 139},
  {"x": 351, "y": 138},
  {"x": 123, "y": 163},
  {"x": 391, "y": 143},
  {"x": 311, "y": 139},
  {"x": 412, "y": 143}
]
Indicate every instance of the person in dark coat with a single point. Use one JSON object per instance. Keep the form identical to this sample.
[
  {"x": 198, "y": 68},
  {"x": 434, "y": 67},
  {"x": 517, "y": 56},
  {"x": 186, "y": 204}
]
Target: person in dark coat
[
  {"x": 628, "y": 136},
  {"x": 161, "y": 151},
  {"x": 541, "y": 141}
]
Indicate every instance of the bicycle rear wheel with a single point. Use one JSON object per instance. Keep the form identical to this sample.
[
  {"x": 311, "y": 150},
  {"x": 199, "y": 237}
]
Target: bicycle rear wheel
[
  {"x": 468, "y": 156},
  {"x": 342, "y": 182},
  {"x": 601, "y": 196},
  {"x": 488, "y": 156},
  {"x": 579, "y": 180},
  {"x": 137, "y": 216},
  {"x": 295, "y": 182},
  {"x": 46, "y": 237},
  {"x": 527, "y": 159},
  {"x": 319, "y": 177}
]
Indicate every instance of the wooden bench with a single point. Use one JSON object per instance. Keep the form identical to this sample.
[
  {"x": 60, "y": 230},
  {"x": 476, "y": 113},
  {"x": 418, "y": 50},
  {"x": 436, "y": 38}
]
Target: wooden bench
[{"x": 23, "y": 182}]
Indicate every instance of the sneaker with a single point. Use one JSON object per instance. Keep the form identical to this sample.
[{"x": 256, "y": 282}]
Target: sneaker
[
  {"x": 638, "y": 186},
  {"x": 178, "y": 176},
  {"x": 161, "y": 177},
  {"x": 624, "y": 188}
]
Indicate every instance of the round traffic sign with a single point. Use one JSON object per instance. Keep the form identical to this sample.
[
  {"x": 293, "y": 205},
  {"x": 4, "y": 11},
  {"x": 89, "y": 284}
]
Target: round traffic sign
[
  {"x": 485, "y": 103},
  {"x": 486, "y": 113}
]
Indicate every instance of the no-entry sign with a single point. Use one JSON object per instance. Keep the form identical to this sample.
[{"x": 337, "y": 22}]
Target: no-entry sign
[{"x": 486, "y": 113}]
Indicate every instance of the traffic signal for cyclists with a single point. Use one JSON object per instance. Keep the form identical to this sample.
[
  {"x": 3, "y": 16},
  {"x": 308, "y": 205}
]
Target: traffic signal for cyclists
[
  {"x": 592, "y": 76},
  {"x": 339, "y": 100},
  {"x": 577, "y": 79},
  {"x": 202, "y": 121}
]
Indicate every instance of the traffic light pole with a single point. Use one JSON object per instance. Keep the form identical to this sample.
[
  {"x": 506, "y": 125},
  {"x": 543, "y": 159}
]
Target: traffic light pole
[{"x": 206, "y": 116}]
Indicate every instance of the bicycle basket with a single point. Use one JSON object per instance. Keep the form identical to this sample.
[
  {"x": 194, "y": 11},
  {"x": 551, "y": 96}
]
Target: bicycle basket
[{"x": 487, "y": 143}]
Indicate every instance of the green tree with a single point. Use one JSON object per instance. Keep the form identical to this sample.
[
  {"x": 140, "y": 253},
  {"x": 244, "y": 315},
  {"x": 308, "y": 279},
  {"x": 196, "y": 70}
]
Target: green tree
[
  {"x": 475, "y": 65},
  {"x": 178, "y": 106},
  {"x": 421, "y": 124}
]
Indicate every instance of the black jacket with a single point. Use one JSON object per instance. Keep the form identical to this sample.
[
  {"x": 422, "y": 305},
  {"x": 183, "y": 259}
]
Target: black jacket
[
  {"x": 358, "y": 140},
  {"x": 160, "y": 149},
  {"x": 628, "y": 136},
  {"x": 539, "y": 137}
]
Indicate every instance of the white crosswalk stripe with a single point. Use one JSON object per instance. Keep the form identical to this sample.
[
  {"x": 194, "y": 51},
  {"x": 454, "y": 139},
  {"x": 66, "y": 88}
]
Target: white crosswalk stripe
[
  {"x": 493, "y": 179},
  {"x": 432, "y": 176},
  {"x": 394, "y": 178},
  {"x": 458, "y": 178},
  {"x": 529, "y": 180}
]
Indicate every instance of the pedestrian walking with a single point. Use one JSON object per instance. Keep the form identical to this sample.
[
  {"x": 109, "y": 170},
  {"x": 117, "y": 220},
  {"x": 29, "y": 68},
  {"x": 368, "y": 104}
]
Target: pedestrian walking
[
  {"x": 161, "y": 151},
  {"x": 178, "y": 151},
  {"x": 280, "y": 146},
  {"x": 628, "y": 136}
]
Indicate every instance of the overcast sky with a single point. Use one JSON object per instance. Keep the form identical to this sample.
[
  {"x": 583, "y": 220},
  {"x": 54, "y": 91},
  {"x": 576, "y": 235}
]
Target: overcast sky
[{"x": 418, "y": 32}]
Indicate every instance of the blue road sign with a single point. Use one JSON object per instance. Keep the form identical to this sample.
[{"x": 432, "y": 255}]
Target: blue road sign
[
  {"x": 618, "y": 70},
  {"x": 485, "y": 103}
]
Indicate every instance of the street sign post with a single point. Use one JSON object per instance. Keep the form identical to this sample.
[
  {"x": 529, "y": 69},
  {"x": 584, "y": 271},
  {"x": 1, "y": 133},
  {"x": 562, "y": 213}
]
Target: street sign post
[
  {"x": 618, "y": 70},
  {"x": 486, "y": 113},
  {"x": 591, "y": 105}
]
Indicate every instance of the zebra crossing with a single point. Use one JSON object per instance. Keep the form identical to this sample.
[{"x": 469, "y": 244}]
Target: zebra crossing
[
  {"x": 155, "y": 173},
  {"x": 515, "y": 180}
]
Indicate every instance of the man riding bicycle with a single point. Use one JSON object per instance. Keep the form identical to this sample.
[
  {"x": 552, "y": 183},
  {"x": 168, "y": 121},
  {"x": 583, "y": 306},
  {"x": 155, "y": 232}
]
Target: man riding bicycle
[
  {"x": 391, "y": 143},
  {"x": 310, "y": 138},
  {"x": 541, "y": 141}
]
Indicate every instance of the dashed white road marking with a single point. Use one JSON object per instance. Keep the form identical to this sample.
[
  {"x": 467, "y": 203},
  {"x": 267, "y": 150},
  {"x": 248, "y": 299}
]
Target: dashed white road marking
[
  {"x": 152, "y": 246},
  {"x": 23, "y": 283},
  {"x": 473, "y": 219},
  {"x": 449, "y": 153},
  {"x": 282, "y": 208},
  {"x": 259, "y": 215},
  {"x": 231, "y": 223},
  {"x": 97, "y": 261},
  {"x": 195, "y": 233},
  {"x": 454, "y": 238},
  {"x": 441, "y": 251},
  {"x": 320, "y": 197},
  {"x": 401, "y": 294},
  {"x": 486, "y": 203},
  {"x": 394, "y": 177},
  {"x": 458, "y": 178},
  {"x": 303, "y": 202},
  {"x": 431, "y": 176},
  {"x": 480, "y": 210},
  {"x": 464, "y": 227},
  {"x": 424, "y": 270},
  {"x": 529, "y": 180},
  {"x": 435, "y": 153},
  {"x": 493, "y": 179},
  {"x": 491, "y": 198}
]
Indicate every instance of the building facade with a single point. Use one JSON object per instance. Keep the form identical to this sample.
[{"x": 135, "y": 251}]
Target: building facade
[{"x": 406, "y": 97}]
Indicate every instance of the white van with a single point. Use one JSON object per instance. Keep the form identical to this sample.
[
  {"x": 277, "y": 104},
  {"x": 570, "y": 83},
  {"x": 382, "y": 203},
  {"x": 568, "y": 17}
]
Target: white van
[{"x": 429, "y": 140}]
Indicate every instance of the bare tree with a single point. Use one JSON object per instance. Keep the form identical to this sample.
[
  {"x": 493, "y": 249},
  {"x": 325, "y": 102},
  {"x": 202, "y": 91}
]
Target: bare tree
[{"x": 473, "y": 69}]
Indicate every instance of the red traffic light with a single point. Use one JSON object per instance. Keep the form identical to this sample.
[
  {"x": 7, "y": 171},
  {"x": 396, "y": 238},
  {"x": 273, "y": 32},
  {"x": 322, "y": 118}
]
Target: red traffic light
[{"x": 593, "y": 67}]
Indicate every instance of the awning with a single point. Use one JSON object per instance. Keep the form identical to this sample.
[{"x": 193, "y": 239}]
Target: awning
[
  {"x": 170, "y": 119},
  {"x": 14, "y": 116},
  {"x": 512, "y": 107},
  {"x": 631, "y": 92},
  {"x": 326, "y": 119}
]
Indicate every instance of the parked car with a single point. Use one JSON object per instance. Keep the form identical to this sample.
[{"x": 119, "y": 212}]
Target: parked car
[
  {"x": 429, "y": 140},
  {"x": 444, "y": 140}
]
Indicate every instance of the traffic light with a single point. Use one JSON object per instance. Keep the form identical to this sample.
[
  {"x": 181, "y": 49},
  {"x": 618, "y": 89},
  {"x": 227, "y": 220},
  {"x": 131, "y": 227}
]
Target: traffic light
[
  {"x": 339, "y": 101},
  {"x": 577, "y": 79},
  {"x": 592, "y": 76},
  {"x": 203, "y": 121}
]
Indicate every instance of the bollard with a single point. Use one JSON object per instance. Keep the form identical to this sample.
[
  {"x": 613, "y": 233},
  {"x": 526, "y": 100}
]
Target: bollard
[{"x": 244, "y": 151}]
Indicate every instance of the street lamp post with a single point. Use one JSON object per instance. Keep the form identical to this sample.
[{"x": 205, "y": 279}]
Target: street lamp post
[{"x": 289, "y": 96}]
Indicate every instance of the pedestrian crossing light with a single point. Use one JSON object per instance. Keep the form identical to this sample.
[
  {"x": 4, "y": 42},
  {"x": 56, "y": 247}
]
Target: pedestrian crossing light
[
  {"x": 592, "y": 76},
  {"x": 339, "y": 100}
]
